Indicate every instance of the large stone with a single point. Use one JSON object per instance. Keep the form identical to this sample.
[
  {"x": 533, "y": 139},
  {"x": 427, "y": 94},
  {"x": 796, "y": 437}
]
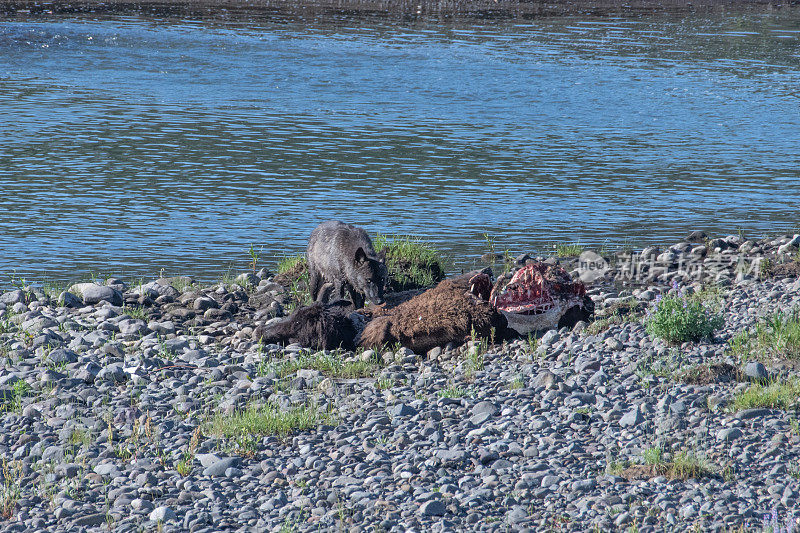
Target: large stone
[
  {"x": 729, "y": 434},
  {"x": 451, "y": 456},
  {"x": 615, "y": 344},
  {"x": 549, "y": 481},
  {"x": 107, "y": 469},
  {"x": 61, "y": 355},
  {"x": 12, "y": 297},
  {"x": 432, "y": 508},
  {"x": 132, "y": 327},
  {"x": 632, "y": 418},
  {"x": 204, "y": 303},
  {"x": 207, "y": 459},
  {"x": 113, "y": 372},
  {"x": 218, "y": 468},
  {"x": 484, "y": 407},
  {"x": 756, "y": 371},
  {"x": 90, "y": 520},
  {"x": 162, "y": 514},
  {"x": 93, "y": 293},
  {"x": 401, "y": 409},
  {"x": 67, "y": 299},
  {"x": 758, "y": 412},
  {"x": 547, "y": 380}
]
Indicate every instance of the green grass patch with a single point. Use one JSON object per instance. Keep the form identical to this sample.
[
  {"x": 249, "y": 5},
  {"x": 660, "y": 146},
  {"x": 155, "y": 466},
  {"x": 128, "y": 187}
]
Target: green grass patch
[
  {"x": 516, "y": 383},
  {"x": 453, "y": 392},
  {"x": 663, "y": 366},
  {"x": 602, "y": 324},
  {"x": 293, "y": 275},
  {"x": 563, "y": 249},
  {"x": 384, "y": 383},
  {"x": 677, "y": 318},
  {"x": 135, "y": 312},
  {"x": 19, "y": 390},
  {"x": 412, "y": 263},
  {"x": 293, "y": 264},
  {"x": 266, "y": 419},
  {"x": 684, "y": 465},
  {"x": 775, "y": 395},
  {"x": 776, "y": 336},
  {"x": 707, "y": 373},
  {"x": 331, "y": 364}
]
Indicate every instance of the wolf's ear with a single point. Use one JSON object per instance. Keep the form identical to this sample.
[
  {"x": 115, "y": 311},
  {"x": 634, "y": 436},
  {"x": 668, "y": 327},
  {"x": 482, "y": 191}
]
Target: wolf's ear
[{"x": 361, "y": 255}]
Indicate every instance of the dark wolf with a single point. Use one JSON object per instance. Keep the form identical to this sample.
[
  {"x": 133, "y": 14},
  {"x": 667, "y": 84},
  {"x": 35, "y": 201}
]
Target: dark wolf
[
  {"x": 342, "y": 254},
  {"x": 318, "y": 326}
]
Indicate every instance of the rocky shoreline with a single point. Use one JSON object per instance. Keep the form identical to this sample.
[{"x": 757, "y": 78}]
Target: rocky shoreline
[{"x": 129, "y": 408}]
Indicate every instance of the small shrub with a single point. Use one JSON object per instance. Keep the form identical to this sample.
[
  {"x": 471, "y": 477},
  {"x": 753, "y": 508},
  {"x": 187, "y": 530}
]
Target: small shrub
[
  {"x": 771, "y": 524},
  {"x": 765, "y": 267},
  {"x": 677, "y": 318},
  {"x": 255, "y": 255}
]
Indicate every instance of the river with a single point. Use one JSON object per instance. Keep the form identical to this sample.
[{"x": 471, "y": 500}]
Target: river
[{"x": 134, "y": 145}]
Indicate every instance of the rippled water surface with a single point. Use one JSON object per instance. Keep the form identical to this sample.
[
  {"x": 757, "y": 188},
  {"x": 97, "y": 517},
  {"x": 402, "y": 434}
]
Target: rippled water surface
[{"x": 131, "y": 145}]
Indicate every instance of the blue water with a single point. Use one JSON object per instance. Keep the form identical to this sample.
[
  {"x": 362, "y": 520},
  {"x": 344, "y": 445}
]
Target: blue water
[{"x": 129, "y": 146}]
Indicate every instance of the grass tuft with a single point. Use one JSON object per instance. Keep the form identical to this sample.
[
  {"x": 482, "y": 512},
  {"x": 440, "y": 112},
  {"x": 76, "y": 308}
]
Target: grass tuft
[
  {"x": 453, "y": 391},
  {"x": 707, "y": 373},
  {"x": 412, "y": 263},
  {"x": 778, "y": 336},
  {"x": 684, "y": 465},
  {"x": 135, "y": 312},
  {"x": 775, "y": 395},
  {"x": 331, "y": 364},
  {"x": 568, "y": 249},
  {"x": 10, "y": 491},
  {"x": 267, "y": 419},
  {"x": 293, "y": 274}
]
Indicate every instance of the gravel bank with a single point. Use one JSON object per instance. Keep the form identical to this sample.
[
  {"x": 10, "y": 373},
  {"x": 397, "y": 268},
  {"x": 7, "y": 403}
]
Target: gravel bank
[{"x": 119, "y": 408}]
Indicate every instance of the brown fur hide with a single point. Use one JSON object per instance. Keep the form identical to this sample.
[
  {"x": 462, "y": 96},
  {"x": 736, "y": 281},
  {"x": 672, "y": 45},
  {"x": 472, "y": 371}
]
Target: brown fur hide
[{"x": 446, "y": 313}]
